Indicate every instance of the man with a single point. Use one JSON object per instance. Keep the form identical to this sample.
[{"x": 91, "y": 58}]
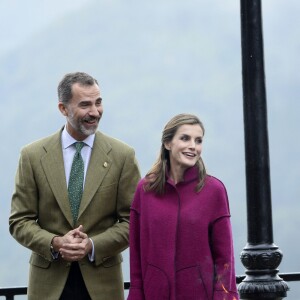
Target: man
[{"x": 71, "y": 201}]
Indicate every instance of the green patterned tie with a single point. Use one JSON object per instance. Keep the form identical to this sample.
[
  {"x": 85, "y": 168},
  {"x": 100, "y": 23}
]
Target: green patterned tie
[{"x": 75, "y": 187}]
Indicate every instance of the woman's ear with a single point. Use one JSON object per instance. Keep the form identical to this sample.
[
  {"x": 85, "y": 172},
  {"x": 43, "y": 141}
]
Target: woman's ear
[{"x": 167, "y": 146}]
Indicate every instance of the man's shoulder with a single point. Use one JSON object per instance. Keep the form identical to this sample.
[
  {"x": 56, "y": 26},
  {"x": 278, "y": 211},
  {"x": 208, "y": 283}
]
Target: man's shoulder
[
  {"x": 111, "y": 141},
  {"x": 42, "y": 142}
]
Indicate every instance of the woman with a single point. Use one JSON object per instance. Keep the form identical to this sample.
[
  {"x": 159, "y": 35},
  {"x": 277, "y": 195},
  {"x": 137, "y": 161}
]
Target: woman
[{"x": 180, "y": 233}]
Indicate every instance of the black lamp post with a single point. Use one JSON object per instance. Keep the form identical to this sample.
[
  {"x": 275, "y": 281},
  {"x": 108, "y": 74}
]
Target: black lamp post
[{"x": 261, "y": 256}]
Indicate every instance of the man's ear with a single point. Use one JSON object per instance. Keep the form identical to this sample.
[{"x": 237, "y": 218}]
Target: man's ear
[{"x": 63, "y": 109}]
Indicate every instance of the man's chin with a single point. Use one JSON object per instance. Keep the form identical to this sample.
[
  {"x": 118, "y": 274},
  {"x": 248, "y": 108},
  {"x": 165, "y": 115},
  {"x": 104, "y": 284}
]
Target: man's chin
[{"x": 89, "y": 131}]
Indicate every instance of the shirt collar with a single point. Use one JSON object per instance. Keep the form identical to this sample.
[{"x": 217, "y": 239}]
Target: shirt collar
[
  {"x": 67, "y": 140},
  {"x": 190, "y": 174}
]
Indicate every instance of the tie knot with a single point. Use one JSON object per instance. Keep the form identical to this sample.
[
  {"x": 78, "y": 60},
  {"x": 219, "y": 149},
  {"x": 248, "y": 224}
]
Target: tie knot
[{"x": 79, "y": 146}]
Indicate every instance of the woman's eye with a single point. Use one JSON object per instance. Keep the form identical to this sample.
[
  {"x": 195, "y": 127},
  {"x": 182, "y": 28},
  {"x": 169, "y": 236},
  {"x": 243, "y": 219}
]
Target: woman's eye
[{"x": 185, "y": 138}]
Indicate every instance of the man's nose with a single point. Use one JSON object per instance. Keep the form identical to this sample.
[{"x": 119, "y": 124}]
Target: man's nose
[{"x": 95, "y": 110}]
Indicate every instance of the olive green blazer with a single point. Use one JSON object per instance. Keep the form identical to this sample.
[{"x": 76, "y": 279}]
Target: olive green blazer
[{"x": 40, "y": 210}]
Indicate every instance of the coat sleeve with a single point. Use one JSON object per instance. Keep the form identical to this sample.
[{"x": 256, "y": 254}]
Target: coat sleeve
[
  {"x": 136, "y": 282},
  {"x": 223, "y": 253},
  {"x": 23, "y": 224},
  {"x": 225, "y": 282}
]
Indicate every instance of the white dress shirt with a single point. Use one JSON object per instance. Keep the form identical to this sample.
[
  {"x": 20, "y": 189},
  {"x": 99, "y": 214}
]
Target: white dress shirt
[{"x": 69, "y": 150}]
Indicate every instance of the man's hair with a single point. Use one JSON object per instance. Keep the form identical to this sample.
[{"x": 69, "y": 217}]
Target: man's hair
[{"x": 64, "y": 88}]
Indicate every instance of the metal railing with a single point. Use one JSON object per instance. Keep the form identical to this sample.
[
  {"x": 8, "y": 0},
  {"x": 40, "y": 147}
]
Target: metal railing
[
  {"x": 285, "y": 276},
  {"x": 10, "y": 292}
]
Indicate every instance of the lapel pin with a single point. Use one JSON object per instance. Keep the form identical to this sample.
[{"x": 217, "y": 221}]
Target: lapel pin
[{"x": 105, "y": 165}]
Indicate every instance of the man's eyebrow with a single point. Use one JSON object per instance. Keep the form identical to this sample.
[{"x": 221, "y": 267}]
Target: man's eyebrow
[
  {"x": 89, "y": 101},
  {"x": 85, "y": 101}
]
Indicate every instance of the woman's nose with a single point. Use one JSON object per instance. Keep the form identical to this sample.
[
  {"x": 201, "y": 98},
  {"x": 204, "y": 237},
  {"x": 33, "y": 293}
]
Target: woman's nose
[{"x": 192, "y": 144}]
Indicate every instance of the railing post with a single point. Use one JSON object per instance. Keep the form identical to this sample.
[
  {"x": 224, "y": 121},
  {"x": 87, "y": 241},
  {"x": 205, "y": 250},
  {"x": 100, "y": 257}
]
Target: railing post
[{"x": 261, "y": 256}]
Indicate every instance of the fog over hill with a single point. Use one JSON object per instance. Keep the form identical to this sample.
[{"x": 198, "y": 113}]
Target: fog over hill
[{"x": 153, "y": 60}]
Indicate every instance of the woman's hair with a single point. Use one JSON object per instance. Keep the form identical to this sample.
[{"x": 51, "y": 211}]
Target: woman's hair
[{"x": 156, "y": 176}]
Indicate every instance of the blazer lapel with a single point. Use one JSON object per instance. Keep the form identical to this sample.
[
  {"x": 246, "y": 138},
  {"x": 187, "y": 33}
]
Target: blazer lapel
[
  {"x": 53, "y": 165},
  {"x": 99, "y": 165}
]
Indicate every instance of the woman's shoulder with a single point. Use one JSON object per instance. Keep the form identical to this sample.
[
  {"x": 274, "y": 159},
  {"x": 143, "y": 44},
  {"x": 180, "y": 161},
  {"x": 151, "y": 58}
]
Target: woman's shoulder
[
  {"x": 139, "y": 191},
  {"x": 142, "y": 194},
  {"x": 214, "y": 182},
  {"x": 217, "y": 192},
  {"x": 141, "y": 183}
]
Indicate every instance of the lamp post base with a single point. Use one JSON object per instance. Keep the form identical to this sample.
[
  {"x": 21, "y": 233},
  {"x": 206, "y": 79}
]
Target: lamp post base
[
  {"x": 262, "y": 280},
  {"x": 258, "y": 290}
]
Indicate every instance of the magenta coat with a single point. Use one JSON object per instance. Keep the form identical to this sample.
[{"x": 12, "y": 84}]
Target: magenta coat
[{"x": 181, "y": 243}]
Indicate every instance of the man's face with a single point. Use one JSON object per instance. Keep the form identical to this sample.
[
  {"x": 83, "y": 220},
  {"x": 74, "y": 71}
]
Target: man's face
[{"x": 84, "y": 111}]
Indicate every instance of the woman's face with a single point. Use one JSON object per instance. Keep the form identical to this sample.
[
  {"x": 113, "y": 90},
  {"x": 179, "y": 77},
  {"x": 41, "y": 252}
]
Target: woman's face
[{"x": 185, "y": 147}]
